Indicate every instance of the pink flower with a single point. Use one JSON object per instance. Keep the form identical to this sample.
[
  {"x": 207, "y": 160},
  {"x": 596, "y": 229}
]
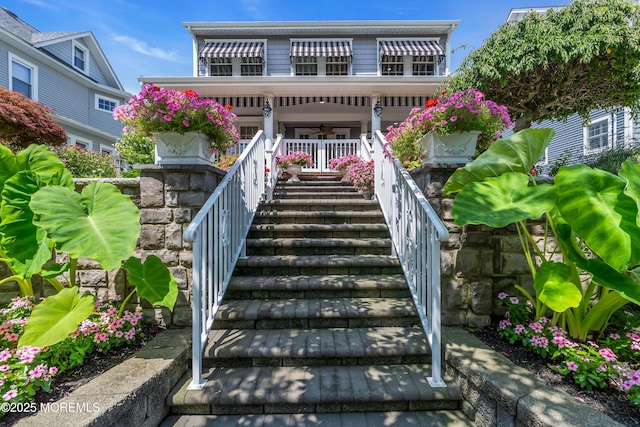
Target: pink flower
[
  {"x": 101, "y": 337},
  {"x": 607, "y": 354},
  {"x": 502, "y": 295},
  {"x": 536, "y": 327},
  {"x": 4, "y": 368},
  {"x": 519, "y": 329},
  {"x": 10, "y": 395},
  {"x": 5, "y": 355},
  {"x": 572, "y": 366},
  {"x": 514, "y": 300},
  {"x": 504, "y": 323}
]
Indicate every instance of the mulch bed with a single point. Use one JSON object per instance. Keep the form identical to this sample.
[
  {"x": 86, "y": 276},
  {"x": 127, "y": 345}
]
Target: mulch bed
[
  {"x": 611, "y": 402},
  {"x": 95, "y": 364}
]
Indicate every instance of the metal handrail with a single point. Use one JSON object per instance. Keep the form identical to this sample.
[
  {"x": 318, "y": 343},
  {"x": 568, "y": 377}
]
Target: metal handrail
[
  {"x": 218, "y": 235},
  {"x": 416, "y": 232}
]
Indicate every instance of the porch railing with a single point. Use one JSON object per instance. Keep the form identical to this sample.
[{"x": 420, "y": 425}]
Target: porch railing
[
  {"x": 416, "y": 232},
  {"x": 218, "y": 235}
]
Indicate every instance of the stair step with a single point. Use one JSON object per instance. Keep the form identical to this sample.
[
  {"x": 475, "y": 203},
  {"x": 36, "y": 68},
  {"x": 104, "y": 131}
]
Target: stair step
[
  {"x": 318, "y": 230},
  {"x": 314, "y": 194},
  {"x": 318, "y": 246},
  {"x": 317, "y": 204},
  {"x": 318, "y": 217},
  {"x": 337, "y": 346},
  {"x": 328, "y": 286},
  {"x": 265, "y": 390},
  {"x": 346, "y": 419},
  {"x": 291, "y": 265}
]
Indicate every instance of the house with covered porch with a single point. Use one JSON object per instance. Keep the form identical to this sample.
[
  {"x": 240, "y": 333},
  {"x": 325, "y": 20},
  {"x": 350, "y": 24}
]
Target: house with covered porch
[{"x": 321, "y": 85}]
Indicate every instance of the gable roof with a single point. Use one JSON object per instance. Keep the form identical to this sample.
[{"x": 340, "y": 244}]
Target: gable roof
[{"x": 10, "y": 22}]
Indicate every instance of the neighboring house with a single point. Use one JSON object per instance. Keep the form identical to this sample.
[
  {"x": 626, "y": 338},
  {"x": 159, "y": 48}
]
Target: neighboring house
[
  {"x": 320, "y": 80},
  {"x": 576, "y": 141},
  {"x": 67, "y": 71}
]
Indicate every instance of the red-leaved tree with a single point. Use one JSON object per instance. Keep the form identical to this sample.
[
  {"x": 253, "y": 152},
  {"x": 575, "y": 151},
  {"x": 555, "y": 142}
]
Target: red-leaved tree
[{"x": 24, "y": 121}]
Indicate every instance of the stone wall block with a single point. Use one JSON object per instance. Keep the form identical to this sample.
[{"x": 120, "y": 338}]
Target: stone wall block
[
  {"x": 151, "y": 189},
  {"x": 173, "y": 236},
  {"x": 156, "y": 216},
  {"x": 152, "y": 236},
  {"x": 514, "y": 264},
  {"x": 455, "y": 294},
  {"x": 192, "y": 199},
  {"x": 197, "y": 182},
  {"x": 180, "y": 273},
  {"x": 172, "y": 199},
  {"x": 182, "y": 215},
  {"x": 92, "y": 278},
  {"x": 468, "y": 262},
  {"x": 481, "y": 296},
  {"x": 176, "y": 181}
]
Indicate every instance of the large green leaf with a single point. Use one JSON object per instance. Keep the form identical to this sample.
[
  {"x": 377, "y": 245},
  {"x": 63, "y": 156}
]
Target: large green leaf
[
  {"x": 101, "y": 223},
  {"x": 602, "y": 273},
  {"x": 516, "y": 153},
  {"x": 45, "y": 163},
  {"x": 8, "y": 164},
  {"x": 56, "y": 317},
  {"x": 502, "y": 200},
  {"x": 25, "y": 245},
  {"x": 593, "y": 203},
  {"x": 554, "y": 287},
  {"x": 153, "y": 281},
  {"x": 631, "y": 173}
]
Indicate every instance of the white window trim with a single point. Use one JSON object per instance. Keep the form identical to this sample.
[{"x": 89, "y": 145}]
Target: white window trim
[
  {"x": 236, "y": 65},
  {"x": 34, "y": 74},
  {"x": 86, "y": 57},
  {"x": 585, "y": 132},
  {"x": 98, "y": 97},
  {"x": 408, "y": 60},
  {"x": 73, "y": 140},
  {"x": 321, "y": 62},
  {"x": 108, "y": 148}
]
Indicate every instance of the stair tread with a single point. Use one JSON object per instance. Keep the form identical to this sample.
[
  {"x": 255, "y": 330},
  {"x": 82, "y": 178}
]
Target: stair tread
[
  {"x": 354, "y": 201},
  {"x": 319, "y": 261},
  {"x": 450, "y": 418},
  {"x": 341, "y": 214},
  {"x": 315, "y": 308},
  {"x": 318, "y": 282},
  {"x": 315, "y": 385},
  {"x": 320, "y": 227},
  {"x": 316, "y": 343},
  {"x": 319, "y": 242}
]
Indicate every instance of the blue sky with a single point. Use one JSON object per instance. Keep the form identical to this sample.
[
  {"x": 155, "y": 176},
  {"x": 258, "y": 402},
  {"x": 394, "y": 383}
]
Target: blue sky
[{"x": 146, "y": 38}]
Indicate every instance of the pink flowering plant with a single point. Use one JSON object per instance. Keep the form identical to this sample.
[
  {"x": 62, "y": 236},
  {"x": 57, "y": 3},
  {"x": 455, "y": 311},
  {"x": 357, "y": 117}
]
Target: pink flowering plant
[
  {"x": 461, "y": 111},
  {"x": 157, "y": 109},
  {"x": 607, "y": 362},
  {"x": 27, "y": 369},
  {"x": 361, "y": 175},
  {"x": 299, "y": 158},
  {"x": 341, "y": 163}
]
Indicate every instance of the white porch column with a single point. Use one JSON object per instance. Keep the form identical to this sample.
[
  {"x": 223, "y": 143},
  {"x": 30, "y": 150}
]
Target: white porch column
[
  {"x": 375, "y": 115},
  {"x": 267, "y": 110}
]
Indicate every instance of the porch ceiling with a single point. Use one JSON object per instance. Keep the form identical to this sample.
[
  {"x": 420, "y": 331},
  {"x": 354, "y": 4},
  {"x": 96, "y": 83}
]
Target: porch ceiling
[{"x": 299, "y": 86}]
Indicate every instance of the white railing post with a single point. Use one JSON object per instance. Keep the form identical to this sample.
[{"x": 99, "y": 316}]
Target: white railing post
[{"x": 416, "y": 232}]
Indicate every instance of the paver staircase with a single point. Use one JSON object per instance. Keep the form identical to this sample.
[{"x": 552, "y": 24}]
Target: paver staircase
[{"x": 318, "y": 323}]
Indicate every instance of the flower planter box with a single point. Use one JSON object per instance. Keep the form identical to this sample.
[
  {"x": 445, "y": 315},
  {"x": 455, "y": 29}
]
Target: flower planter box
[
  {"x": 458, "y": 147},
  {"x": 191, "y": 148}
]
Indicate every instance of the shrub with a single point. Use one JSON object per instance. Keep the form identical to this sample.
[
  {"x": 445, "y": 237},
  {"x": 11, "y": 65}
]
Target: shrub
[
  {"x": 83, "y": 163},
  {"x": 136, "y": 148}
]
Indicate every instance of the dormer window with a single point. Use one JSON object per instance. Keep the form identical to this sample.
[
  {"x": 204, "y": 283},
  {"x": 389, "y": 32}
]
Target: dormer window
[
  {"x": 80, "y": 58},
  {"x": 414, "y": 57},
  {"x": 233, "y": 58},
  {"x": 325, "y": 57}
]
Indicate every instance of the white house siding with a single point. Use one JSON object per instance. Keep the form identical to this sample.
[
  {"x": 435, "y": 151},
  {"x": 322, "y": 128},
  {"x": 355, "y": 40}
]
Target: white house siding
[{"x": 278, "y": 62}]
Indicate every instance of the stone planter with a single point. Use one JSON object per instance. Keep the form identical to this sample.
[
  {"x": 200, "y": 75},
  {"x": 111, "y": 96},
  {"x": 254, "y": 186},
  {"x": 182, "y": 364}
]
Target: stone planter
[
  {"x": 294, "y": 170},
  {"x": 458, "y": 147},
  {"x": 191, "y": 148}
]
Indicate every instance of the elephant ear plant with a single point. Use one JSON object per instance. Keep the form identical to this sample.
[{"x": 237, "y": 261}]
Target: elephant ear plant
[
  {"x": 41, "y": 217},
  {"x": 592, "y": 214}
]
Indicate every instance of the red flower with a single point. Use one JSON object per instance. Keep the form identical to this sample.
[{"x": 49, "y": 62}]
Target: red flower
[
  {"x": 431, "y": 103},
  {"x": 191, "y": 93},
  {"x": 228, "y": 107}
]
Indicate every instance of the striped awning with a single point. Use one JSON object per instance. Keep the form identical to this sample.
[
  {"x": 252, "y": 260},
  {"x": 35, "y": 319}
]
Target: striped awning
[
  {"x": 233, "y": 50},
  {"x": 321, "y": 48},
  {"x": 410, "y": 48}
]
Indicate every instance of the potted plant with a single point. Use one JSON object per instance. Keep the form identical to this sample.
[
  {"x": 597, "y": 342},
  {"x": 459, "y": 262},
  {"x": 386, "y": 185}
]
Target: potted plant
[
  {"x": 361, "y": 175},
  {"x": 187, "y": 128},
  {"x": 449, "y": 128},
  {"x": 293, "y": 162},
  {"x": 341, "y": 163}
]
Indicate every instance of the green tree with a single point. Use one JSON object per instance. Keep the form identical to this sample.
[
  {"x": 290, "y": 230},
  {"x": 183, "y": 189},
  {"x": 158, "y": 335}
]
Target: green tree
[
  {"x": 582, "y": 57},
  {"x": 136, "y": 148},
  {"x": 24, "y": 121}
]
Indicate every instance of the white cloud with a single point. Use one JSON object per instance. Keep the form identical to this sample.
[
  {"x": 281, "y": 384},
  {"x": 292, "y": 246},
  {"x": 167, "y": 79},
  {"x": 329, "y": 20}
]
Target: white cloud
[{"x": 143, "y": 48}]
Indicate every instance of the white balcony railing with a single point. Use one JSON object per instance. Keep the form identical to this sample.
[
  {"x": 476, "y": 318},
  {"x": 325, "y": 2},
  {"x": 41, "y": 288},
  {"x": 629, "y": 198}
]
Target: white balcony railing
[
  {"x": 416, "y": 232},
  {"x": 218, "y": 234}
]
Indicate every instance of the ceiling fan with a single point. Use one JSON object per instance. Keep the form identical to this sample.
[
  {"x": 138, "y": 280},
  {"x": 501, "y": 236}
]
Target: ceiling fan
[{"x": 325, "y": 130}]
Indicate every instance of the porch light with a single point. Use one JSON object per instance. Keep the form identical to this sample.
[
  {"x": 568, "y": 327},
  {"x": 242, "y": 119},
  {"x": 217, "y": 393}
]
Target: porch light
[
  {"x": 267, "y": 109},
  {"x": 377, "y": 109}
]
